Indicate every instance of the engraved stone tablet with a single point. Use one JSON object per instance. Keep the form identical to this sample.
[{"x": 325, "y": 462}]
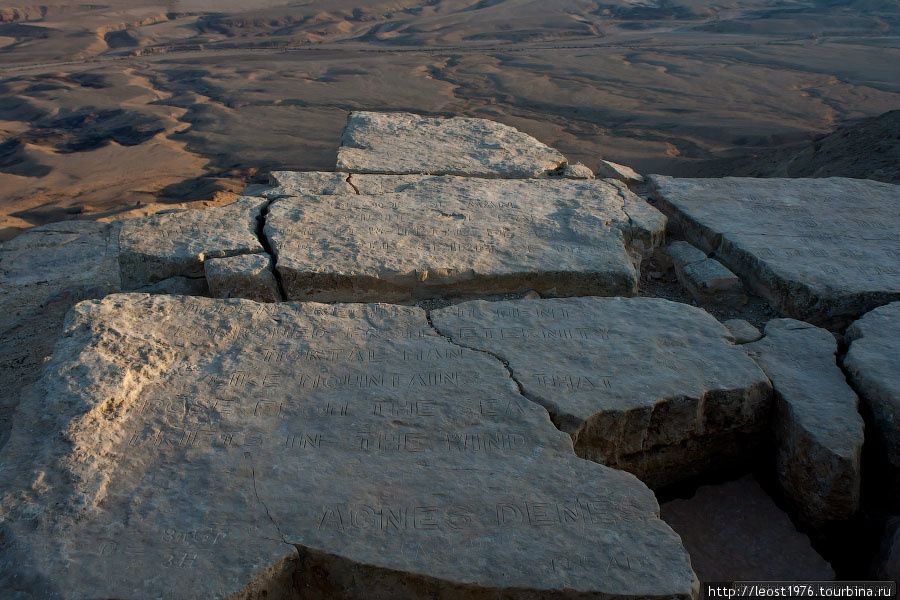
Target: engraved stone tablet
[
  {"x": 408, "y": 143},
  {"x": 821, "y": 250},
  {"x": 178, "y": 447},
  {"x": 176, "y": 244},
  {"x": 642, "y": 384},
  {"x": 416, "y": 244}
]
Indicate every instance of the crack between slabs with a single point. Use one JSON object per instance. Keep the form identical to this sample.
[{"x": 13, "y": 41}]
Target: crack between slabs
[
  {"x": 503, "y": 361},
  {"x": 267, "y": 247},
  {"x": 350, "y": 183},
  {"x": 266, "y": 508}
]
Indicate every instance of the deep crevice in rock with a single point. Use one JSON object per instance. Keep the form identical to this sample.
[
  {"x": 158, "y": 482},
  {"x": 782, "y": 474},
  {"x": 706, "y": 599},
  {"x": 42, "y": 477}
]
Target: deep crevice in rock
[
  {"x": 267, "y": 247},
  {"x": 350, "y": 183}
]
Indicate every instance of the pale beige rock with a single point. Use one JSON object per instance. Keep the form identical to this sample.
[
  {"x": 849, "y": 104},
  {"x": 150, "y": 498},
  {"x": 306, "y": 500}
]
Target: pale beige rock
[
  {"x": 578, "y": 171},
  {"x": 711, "y": 284},
  {"x": 408, "y": 143},
  {"x": 296, "y": 183},
  {"x": 734, "y": 531},
  {"x": 176, "y": 244},
  {"x": 821, "y": 250},
  {"x": 818, "y": 430},
  {"x": 43, "y": 272},
  {"x": 416, "y": 244},
  {"x": 181, "y": 447},
  {"x": 873, "y": 364},
  {"x": 245, "y": 276},
  {"x": 641, "y": 384},
  {"x": 607, "y": 168},
  {"x": 741, "y": 331},
  {"x": 642, "y": 225},
  {"x": 178, "y": 286}
]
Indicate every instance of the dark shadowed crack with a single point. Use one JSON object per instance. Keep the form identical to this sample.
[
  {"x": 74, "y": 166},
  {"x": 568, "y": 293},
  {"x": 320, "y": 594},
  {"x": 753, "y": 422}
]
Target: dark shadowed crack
[
  {"x": 264, "y": 241},
  {"x": 350, "y": 183},
  {"x": 554, "y": 418}
]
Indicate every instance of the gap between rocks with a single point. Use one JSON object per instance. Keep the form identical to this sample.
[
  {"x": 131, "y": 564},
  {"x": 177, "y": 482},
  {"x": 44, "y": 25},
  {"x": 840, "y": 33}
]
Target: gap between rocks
[{"x": 267, "y": 247}]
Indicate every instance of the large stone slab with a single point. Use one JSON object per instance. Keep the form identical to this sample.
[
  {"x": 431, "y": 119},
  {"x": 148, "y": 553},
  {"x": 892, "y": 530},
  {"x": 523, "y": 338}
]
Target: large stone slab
[
  {"x": 176, "y": 244},
  {"x": 465, "y": 241},
  {"x": 818, "y": 430},
  {"x": 820, "y": 250},
  {"x": 178, "y": 447},
  {"x": 296, "y": 183},
  {"x": 408, "y": 143},
  {"x": 735, "y": 532},
  {"x": 641, "y": 384},
  {"x": 43, "y": 272},
  {"x": 873, "y": 364}
]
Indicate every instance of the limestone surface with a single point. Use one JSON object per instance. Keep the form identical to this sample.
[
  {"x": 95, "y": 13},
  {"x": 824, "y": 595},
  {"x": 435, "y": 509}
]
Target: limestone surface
[
  {"x": 296, "y": 183},
  {"x": 244, "y": 276},
  {"x": 464, "y": 241},
  {"x": 181, "y": 447},
  {"x": 873, "y": 363},
  {"x": 821, "y": 250},
  {"x": 641, "y": 384},
  {"x": 176, "y": 244},
  {"x": 734, "y": 531},
  {"x": 407, "y": 143},
  {"x": 642, "y": 225},
  {"x": 709, "y": 282},
  {"x": 578, "y": 171},
  {"x": 607, "y": 168},
  {"x": 818, "y": 430},
  {"x": 741, "y": 331}
]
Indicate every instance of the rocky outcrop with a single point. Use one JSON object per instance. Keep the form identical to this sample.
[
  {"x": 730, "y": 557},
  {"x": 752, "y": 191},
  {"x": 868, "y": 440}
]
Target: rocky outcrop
[
  {"x": 407, "y": 143},
  {"x": 820, "y": 250},
  {"x": 466, "y": 241},
  {"x": 177, "y": 243},
  {"x": 640, "y": 384},
  {"x": 818, "y": 431},
  {"x": 179, "y": 447}
]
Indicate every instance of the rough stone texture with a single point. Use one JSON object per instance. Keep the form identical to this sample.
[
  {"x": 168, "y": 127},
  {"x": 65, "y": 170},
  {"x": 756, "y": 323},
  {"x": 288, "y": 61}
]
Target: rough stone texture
[
  {"x": 465, "y": 241},
  {"x": 246, "y": 276},
  {"x": 734, "y": 531},
  {"x": 578, "y": 171},
  {"x": 642, "y": 225},
  {"x": 684, "y": 254},
  {"x": 43, "y": 272},
  {"x": 407, "y": 143},
  {"x": 178, "y": 286},
  {"x": 641, "y": 384},
  {"x": 180, "y": 447},
  {"x": 741, "y": 331},
  {"x": 873, "y": 364},
  {"x": 297, "y": 183},
  {"x": 821, "y": 250},
  {"x": 176, "y": 244},
  {"x": 607, "y": 168},
  {"x": 818, "y": 430},
  {"x": 709, "y": 282}
]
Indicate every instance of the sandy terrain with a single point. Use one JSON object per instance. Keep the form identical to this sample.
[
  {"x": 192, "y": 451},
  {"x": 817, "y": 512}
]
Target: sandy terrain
[{"x": 128, "y": 107}]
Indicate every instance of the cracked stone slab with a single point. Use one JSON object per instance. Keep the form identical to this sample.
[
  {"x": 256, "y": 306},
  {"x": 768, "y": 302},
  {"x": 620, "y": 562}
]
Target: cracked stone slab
[
  {"x": 818, "y": 430},
  {"x": 643, "y": 384},
  {"x": 407, "y": 143},
  {"x": 179, "y": 447},
  {"x": 464, "y": 241},
  {"x": 176, "y": 244},
  {"x": 244, "y": 276},
  {"x": 821, "y": 250},
  {"x": 642, "y": 225},
  {"x": 874, "y": 368},
  {"x": 607, "y": 168}
]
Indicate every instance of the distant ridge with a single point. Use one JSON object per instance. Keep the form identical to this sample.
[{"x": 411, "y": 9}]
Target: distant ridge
[{"x": 865, "y": 149}]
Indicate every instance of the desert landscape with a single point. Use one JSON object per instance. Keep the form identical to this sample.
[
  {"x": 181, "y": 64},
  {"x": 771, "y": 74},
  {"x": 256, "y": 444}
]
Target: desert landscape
[
  {"x": 448, "y": 299},
  {"x": 122, "y": 107}
]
